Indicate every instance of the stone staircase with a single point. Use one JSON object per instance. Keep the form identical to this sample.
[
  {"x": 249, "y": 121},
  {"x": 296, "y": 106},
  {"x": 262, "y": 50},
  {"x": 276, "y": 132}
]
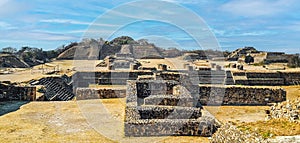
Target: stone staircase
[
  {"x": 56, "y": 89},
  {"x": 211, "y": 77},
  {"x": 229, "y": 78}
]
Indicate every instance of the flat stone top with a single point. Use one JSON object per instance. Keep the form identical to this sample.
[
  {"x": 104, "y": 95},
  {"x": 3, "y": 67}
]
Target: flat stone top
[
  {"x": 296, "y": 70},
  {"x": 240, "y": 86},
  {"x": 168, "y": 96}
]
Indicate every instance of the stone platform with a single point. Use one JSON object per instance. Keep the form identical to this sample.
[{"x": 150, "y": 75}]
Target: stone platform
[{"x": 150, "y": 113}]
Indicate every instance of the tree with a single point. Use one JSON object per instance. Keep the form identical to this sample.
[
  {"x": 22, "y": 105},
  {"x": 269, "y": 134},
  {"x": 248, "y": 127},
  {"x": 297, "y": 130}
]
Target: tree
[
  {"x": 249, "y": 59},
  {"x": 10, "y": 50}
]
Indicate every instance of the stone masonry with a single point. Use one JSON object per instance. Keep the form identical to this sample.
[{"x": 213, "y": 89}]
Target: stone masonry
[
  {"x": 9, "y": 91},
  {"x": 146, "y": 116}
]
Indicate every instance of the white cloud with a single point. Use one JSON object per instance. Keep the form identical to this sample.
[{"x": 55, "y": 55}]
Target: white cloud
[
  {"x": 251, "y": 8},
  {"x": 293, "y": 26},
  {"x": 50, "y": 36},
  {"x": 186, "y": 1},
  {"x": 6, "y": 26},
  {"x": 75, "y": 22},
  {"x": 254, "y": 33},
  {"x": 237, "y": 33},
  {"x": 218, "y": 32},
  {"x": 69, "y": 21}
]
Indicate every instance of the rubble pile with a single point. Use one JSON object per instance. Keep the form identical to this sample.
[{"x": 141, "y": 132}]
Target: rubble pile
[
  {"x": 289, "y": 109},
  {"x": 229, "y": 133}
]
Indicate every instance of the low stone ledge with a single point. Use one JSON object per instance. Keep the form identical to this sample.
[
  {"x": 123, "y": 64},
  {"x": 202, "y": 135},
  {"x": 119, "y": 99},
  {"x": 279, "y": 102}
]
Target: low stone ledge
[
  {"x": 165, "y": 127},
  {"x": 90, "y": 93},
  {"x": 168, "y": 112}
]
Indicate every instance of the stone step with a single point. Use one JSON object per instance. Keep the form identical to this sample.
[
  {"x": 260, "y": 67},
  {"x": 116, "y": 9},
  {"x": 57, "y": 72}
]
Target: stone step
[
  {"x": 165, "y": 127},
  {"x": 168, "y": 112},
  {"x": 55, "y": 90}
]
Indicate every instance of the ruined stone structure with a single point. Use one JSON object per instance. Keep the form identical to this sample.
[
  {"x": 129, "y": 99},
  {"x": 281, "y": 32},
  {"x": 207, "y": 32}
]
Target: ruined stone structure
[
  {"x": 16, "y": 92},
  {"x": 146, "y": 116},
  {"x": 83, "y": 79},
  {"x": 232, "y": 95},
  {"x": 277, "y": 57},
  {"x": 124, "y": 59},
  {"x": 153, "y": 104}
]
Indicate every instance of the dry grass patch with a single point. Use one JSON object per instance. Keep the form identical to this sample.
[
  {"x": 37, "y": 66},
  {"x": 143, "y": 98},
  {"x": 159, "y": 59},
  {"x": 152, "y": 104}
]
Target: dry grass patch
[
  {"x": 273, "y": 127},
  {"x": 293, "y": 92},
  {"x": 238, "y": 113}
]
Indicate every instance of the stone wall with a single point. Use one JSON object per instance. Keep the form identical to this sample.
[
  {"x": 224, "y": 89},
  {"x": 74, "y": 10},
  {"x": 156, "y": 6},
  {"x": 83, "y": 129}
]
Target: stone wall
[
  {"x": 239, "y": 95},
  {"x": 84, "y": 79},
  {"x": 267, "y": 78},
  {"x": 207, "y": 94},
  {"x": 291, "y": 78},
  {"x": 90, "y": 93},
  {"x": 163, "y": 112},
  {"x": 161, "y": 94},
  {"x": 200, "y": 76},
  {"x": 171, "y": 127},
  {"x": 276, "y": 57},
  {"x": 15, "y": 92},
  {"x": 154, "y": 87}
]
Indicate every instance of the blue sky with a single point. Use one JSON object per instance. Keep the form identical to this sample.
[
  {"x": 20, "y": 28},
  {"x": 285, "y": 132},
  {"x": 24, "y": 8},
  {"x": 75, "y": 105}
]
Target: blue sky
[{"x": 269, "y": 25}]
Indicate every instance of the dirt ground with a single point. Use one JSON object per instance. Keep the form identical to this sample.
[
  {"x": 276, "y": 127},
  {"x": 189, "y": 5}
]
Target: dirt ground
[
  {"x": 47, "y": 122},
  {"x": 293, "y": 92},
  {"x": 66, "y": 122}
]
